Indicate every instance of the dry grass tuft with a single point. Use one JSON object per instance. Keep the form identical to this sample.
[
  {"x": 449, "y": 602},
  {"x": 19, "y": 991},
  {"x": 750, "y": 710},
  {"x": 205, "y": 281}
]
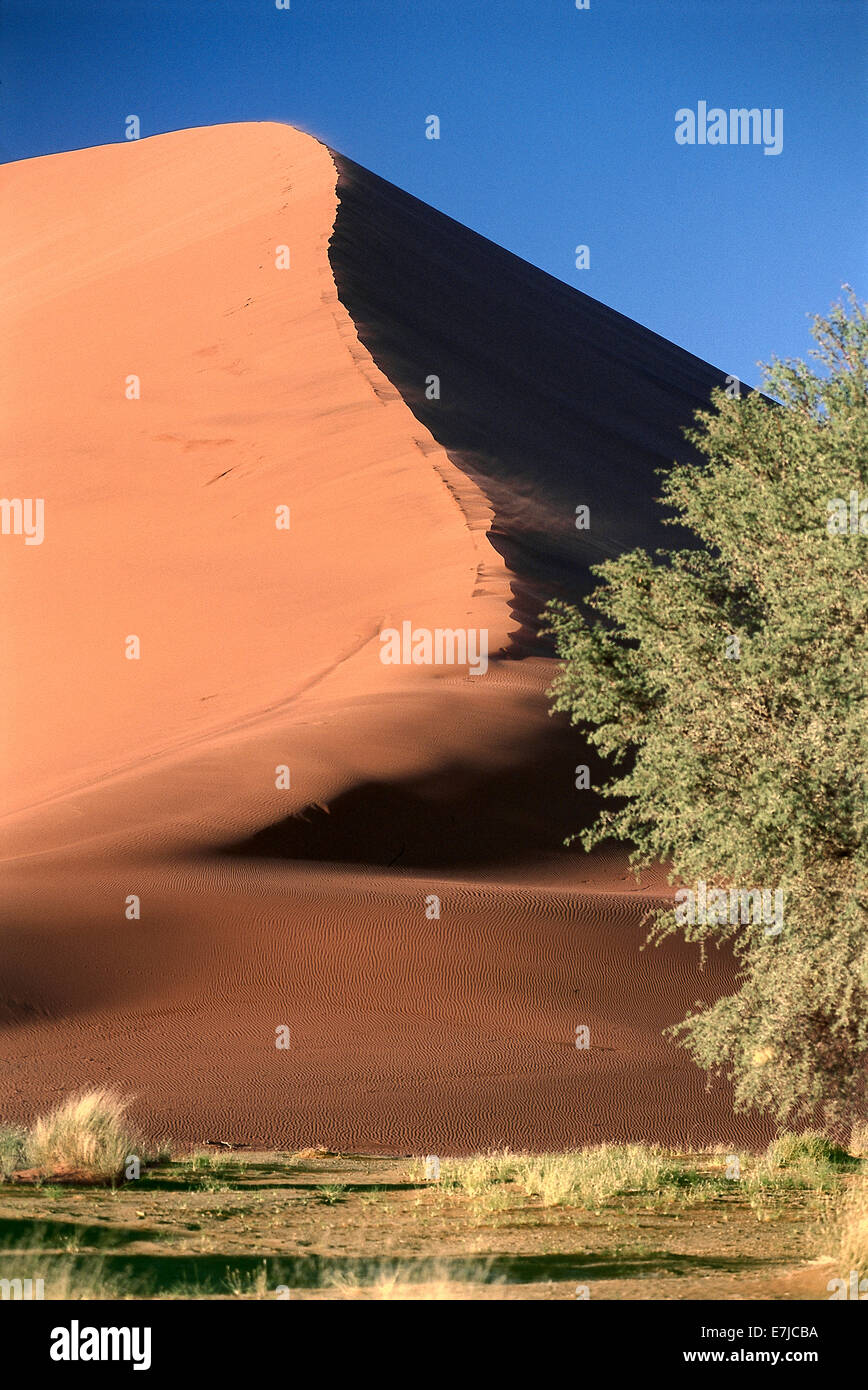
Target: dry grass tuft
[{"x": 87, "y": 1134}]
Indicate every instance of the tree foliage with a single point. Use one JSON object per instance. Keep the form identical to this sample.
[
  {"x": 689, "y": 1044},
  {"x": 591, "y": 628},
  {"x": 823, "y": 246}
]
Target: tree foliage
[{"x": 727, "y": 684}]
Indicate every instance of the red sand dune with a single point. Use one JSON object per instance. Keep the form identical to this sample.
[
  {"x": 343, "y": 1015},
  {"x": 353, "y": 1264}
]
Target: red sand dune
[{"x": 304, "y": 387}]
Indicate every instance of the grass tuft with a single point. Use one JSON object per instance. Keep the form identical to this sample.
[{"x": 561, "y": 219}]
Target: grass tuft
[
  {"x": 812, "y": 1147},
  {"x": 12, "y": 1150},
  {"x": 86, "y": 1134},
  {"x": 435, "y": 1280},
  {"x": 852, "y": 1231}
]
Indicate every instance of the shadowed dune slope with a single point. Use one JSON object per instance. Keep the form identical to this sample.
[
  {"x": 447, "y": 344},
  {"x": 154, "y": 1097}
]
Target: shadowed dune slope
[
  {"x": 547, "y": 398},
  {"x": 244, "y": 825}
]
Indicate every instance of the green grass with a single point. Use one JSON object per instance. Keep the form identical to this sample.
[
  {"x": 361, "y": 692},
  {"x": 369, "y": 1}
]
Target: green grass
[
  {"x": 330, "y": 1193},
  {"x": 584, "y": 1178},
  {"x": 812, "y": 1147},
  {"x": 594, "y": 1177}
]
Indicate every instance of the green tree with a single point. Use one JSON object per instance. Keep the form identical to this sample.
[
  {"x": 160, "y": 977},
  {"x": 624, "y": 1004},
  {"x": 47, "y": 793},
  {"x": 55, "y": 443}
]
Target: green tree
[{"x": 727, "y": 683}]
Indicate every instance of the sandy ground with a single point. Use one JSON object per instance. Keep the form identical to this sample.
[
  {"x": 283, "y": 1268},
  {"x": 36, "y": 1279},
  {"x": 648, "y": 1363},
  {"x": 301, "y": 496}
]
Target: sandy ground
[{"x": 309, "y": 906}]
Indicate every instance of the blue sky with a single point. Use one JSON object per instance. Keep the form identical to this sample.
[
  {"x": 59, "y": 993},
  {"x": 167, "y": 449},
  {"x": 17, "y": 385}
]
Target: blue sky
[{"x": 557, "y": 128}]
